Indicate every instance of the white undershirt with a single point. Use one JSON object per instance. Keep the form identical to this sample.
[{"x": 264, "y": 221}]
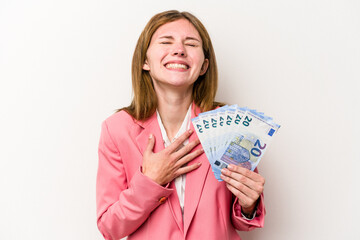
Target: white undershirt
[{"x": 179, "y": 181}]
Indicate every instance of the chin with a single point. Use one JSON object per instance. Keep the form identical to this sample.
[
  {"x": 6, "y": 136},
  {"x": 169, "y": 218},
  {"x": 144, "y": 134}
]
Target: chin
[
  {"x": 175, "y": 83},
  {"x": 180, "y": 82}
]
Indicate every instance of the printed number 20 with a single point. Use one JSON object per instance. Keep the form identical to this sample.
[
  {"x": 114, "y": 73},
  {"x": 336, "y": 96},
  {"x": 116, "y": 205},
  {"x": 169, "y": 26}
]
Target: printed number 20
[
  {"x": 256, "y": 151},
  {"x": 247, "y": 121}
]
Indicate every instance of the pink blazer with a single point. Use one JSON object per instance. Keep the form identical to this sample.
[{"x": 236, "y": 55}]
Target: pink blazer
[{"x": 130, "y": 204}]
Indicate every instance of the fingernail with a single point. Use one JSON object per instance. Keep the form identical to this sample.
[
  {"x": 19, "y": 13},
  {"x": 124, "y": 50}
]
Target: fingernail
[
  {"x": 231, "y": 167},
  {"x": 150, "y": 136},
  {"x": 199, "y": 163},
  {"x": 190, "y": 131}
]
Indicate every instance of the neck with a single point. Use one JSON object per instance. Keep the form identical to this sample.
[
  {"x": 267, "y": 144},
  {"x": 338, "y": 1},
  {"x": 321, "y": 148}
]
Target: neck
[{"x": 172, "y": 107}]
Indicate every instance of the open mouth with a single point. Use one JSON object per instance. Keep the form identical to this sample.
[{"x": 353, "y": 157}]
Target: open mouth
[{"x": 176, "y": 66}]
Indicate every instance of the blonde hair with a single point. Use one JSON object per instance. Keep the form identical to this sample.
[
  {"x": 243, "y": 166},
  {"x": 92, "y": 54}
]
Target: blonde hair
[{"x": 144, "y": 102}]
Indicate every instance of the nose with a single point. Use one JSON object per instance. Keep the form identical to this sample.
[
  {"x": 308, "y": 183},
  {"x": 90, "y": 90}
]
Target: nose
[{"x": 179, "y": 50}]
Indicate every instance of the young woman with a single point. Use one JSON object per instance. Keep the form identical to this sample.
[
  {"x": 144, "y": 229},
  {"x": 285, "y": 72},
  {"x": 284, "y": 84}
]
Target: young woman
[{"x": 154, "y": 181}]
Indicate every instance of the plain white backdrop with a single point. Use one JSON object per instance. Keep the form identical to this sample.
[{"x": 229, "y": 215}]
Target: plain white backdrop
[{"x": 65, "y": 67}]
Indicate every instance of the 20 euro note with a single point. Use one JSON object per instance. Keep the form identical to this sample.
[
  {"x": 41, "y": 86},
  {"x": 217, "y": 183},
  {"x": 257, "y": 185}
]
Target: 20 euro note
[
  {"x": 207, "y": 127},
  {"x": 250, "y": 141},
  {"x": 235, "y": 135}
]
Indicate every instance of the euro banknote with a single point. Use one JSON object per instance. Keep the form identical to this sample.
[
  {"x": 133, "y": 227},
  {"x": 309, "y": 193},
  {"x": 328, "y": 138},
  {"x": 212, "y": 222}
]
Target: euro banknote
[{"x": 234, "y": 135}]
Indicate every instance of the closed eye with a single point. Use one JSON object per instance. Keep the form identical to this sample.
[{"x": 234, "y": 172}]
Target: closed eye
[{"x": 192, "y": 43}]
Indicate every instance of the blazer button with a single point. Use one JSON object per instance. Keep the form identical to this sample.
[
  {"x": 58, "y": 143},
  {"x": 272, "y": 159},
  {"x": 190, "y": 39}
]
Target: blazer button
[{"x": 162, "y": 200}]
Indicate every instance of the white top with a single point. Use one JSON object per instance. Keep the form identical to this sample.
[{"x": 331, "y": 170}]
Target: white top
[{"x": 179, "y": 181}]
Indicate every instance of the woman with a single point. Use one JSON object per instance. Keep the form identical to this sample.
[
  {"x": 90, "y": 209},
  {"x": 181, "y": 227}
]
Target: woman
[{"x": 153, "y": 178}]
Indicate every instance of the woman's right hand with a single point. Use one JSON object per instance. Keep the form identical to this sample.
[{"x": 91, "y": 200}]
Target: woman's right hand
[{"x": 168, "y": 164}]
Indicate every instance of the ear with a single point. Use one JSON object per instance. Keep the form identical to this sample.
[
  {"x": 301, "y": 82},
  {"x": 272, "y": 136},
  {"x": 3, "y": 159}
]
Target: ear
[
  {"x": 204, "y": 67},
  {"x": 146, "y": 66}
]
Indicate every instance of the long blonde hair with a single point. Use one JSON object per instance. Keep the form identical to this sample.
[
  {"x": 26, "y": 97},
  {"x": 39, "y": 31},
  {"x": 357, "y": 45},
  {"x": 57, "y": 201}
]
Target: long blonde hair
[{"x": 144, "y": 102}]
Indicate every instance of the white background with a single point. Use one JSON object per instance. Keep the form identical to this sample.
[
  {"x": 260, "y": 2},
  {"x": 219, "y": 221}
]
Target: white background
[{"x": 65, "y": 67}]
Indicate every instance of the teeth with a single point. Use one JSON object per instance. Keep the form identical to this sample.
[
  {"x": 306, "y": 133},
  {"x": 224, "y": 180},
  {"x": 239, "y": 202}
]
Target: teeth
[{"x": 176, "y": 66}]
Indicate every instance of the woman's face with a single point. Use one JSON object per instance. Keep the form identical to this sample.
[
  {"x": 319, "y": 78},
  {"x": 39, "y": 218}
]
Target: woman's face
[{"x": 175, "y": 56}]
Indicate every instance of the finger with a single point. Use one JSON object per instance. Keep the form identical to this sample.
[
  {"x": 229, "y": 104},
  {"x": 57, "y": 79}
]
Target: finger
[
  {"x": 247, "y": 173},
  {"x": 244, "y": 200},
  {"x": 186, "y": 149},
  {"x": 189, "y": 157},
  {"x": 186, "y": 169},
  {"x": 180, "y": 140},
  {"x": 240, "y": 187},
  {"x": 250, "y": 183},
  {"x": 150, "y": 145}
]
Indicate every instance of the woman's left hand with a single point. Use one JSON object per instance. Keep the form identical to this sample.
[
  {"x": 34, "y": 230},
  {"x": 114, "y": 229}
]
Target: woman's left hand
[{"x": 246, "y": 185}]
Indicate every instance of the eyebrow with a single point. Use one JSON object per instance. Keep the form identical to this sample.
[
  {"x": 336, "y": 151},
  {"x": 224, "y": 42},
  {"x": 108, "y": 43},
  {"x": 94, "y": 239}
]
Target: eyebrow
[{"x": 187, "y": 38}]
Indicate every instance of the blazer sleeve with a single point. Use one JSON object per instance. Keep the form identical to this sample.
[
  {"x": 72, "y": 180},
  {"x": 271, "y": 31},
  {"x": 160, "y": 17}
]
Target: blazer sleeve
[
  {"x": 241, "y": 223},
  {"x": 122, "y": 206}
]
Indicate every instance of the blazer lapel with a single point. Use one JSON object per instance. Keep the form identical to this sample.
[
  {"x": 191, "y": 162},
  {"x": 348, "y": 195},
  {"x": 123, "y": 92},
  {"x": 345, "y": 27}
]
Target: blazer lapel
[
  {"x": 174, "y": 205},
  {"x": 195, "y": 180},
  {"x": 151, "y": 126}
]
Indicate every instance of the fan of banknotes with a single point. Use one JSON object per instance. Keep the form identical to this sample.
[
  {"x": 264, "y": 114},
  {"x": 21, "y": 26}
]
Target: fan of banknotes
[{"x": 234, "y": 135}]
